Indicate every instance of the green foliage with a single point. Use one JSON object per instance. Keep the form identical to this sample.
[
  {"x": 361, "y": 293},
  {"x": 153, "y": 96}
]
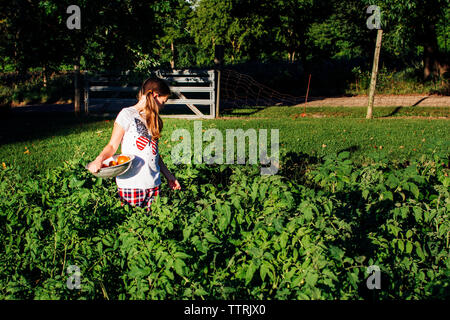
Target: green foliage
[
  {"x": 109, "y": 36},
  {"x": 393, "y": 82},
  {"x": 323, "y": 38},
  {"x": 231, "y": 234},
  {"x": 58, "y": 87}
]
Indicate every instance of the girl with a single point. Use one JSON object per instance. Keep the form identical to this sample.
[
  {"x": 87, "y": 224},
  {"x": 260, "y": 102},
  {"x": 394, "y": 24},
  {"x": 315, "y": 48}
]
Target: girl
[{"x": 138, "y": 129}]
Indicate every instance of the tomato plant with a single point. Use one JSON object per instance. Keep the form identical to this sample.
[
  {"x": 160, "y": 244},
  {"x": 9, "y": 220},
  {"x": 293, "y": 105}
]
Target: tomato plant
[{"x": 231, "y": 233}]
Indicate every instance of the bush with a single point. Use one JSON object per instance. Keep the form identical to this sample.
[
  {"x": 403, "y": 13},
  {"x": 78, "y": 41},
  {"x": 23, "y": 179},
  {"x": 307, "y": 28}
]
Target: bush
[
  {"x": 30, "y": 88},
  {"x": 407, "y": 81}
]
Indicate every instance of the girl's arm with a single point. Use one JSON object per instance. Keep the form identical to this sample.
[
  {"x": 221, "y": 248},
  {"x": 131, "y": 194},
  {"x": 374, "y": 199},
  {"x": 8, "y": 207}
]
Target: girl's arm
[
  {"x": 173, "y": 182},
  {"x": 109, "y": 150}
]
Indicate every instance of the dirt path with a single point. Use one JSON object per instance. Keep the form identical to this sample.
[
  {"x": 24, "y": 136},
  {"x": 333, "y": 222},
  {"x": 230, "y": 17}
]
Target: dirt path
[
  {"x": 381, "y": 100},
  {"x": 358, "y": 101}
]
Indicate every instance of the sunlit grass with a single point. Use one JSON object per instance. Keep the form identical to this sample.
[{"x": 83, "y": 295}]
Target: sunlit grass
[{"x": 33, "y": 146}]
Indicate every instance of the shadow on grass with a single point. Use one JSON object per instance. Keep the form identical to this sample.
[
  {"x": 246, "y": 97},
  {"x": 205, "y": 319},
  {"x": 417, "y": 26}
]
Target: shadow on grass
[
  {"x": 394, "y": 112},
  {"x": 256, "y": 106},
  {"x": 295, "y": 165},
  {"x": 18, "y": 127},
  {"x": 350, "y": 149},
  {"x": 42, "y": 121}
]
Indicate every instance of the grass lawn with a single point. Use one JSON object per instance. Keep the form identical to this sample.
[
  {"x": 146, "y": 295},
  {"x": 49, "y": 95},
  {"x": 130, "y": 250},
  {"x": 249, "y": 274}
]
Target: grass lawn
[
  {"x": 34, "y": 143},
  {"x": 333, "y": 112}
]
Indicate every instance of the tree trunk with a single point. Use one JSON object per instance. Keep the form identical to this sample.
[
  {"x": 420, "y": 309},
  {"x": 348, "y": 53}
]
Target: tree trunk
[
  {"x": 44, "y": 75},
  {"x": 172, "y": 61},
  {"x": 291, "y": 56},
  {"x": 432, "y": 67},
  {"x": 76, "y": 82}
]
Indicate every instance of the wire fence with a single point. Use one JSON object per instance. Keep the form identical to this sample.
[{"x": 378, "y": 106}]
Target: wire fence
[{"x": 239, "y": 90}]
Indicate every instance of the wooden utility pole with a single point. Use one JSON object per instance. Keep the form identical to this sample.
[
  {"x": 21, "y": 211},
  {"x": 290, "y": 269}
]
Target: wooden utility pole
[
  {"x": 373, "y": 80},
  {"x": 218, "y": 61}
]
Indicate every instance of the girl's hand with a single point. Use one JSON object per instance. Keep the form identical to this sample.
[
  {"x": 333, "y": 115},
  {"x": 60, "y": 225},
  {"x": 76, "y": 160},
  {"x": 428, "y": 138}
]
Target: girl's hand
[
  {"x": 95, "y": 165},
  {"x": 174, "y": 184}
]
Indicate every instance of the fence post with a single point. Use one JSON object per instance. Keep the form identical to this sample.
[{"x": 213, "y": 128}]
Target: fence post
[
  {"x": 212, "y": 96},
  {"x": 218, "y": 95},
  {"x": 373, "y": 80},
  {"x": 218, "y": 61}
]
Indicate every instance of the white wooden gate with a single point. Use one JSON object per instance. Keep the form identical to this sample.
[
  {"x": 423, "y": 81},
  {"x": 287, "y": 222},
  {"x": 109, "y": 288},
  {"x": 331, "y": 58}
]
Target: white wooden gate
[{"x": 180, "y": 82}]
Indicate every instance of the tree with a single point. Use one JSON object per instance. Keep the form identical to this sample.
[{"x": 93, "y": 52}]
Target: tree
[
  {"x": 341, "y": 31},
  {"x": 240, "y": 25},
  {"x": 175, "y": 41},
  {"x": 416, "y": 21},
  {"x": 291, "y": 24},
  {"x": 111, "y": 32},
  {"x": 35, "y": 38}
]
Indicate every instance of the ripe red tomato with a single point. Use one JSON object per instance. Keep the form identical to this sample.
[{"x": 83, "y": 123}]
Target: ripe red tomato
[
  {"x": 122, "y": 159},
  {"x": 112, "y": 163}
]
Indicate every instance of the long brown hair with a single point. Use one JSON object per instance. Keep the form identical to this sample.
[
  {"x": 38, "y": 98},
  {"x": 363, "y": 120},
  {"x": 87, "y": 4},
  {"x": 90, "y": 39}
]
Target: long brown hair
[{"x": 154, "y": 121}]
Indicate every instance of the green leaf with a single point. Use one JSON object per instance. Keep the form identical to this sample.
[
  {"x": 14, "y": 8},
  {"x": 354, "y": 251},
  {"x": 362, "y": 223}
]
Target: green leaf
[
  {"x": 296, "y": 281},
  {"x": 223, "y": 223},
  {"x": 414, "y": 189},
  {"x": 263, "y": 271},
  {"x": 283, "y": 239},
  {"x": 108, "y": 241},
  {"x": 344, "y": 155},
  {"x": 353, "y": 278},
  {"x": 254, "y": 193},
  {"x": 388, "y": 195},
  {"x": 187, "y": 233},
  {"x": 401, "y": 245},
  {"x": 181, "y": 255},
  {"x": 409, "y": 247},
  {"x": 136, "y": 272},
  {"x": 311, "y": 279},
  {"x": 262, "y": 191},
  {"x": 211, "y": 238},
  {"x": 250, "y": 272},
  {"x": 365, "y": 193},
  {"x": 419, "y": 252},
  {"x": 179, "y": 264},
  {"x": 336, "y": 252},
  {"x": 200, "y": 292},
  {"x": 417, "y": 214},
  {"x": 235, "y": 200},
  {"x": 169, "y": 274},
  {"x": 209, "y": 214}
]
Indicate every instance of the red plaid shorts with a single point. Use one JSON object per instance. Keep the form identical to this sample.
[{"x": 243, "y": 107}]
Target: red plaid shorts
[{"x": 138, "y": 197}]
